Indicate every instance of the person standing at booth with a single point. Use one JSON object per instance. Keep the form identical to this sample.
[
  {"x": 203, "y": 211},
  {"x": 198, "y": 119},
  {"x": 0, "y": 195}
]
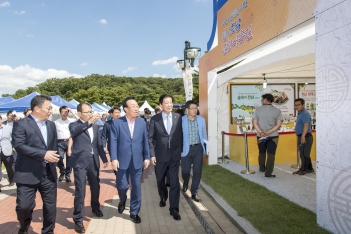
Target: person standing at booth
[
  {"x": 304, "y": 137},
  {"x": 267, "y": 120}
]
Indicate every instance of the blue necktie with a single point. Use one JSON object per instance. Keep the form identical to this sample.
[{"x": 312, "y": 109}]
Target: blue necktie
[{"x": 169, "y": 125}]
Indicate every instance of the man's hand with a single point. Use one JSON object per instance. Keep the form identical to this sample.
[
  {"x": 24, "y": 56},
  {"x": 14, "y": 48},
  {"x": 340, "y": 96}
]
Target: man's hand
[
  {"x": 94, "y": 118},
  {"x": 153, "y": 161},
  {"x": 69, "y": 153},
  {"x": 105, "y": 164},
  {"x": 51, "y": 156},
  {"x": 115, "y": 165},
  {"x": 146, "y": 164},
  {"x": 302, "y": 140}
]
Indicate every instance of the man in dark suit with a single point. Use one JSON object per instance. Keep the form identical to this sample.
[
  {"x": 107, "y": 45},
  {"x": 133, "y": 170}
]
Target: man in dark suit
[
  {"x": 129, "y": 151},
  {"x": 105, "y": 136},
  {"x": 35, "y": 141},
  {"x": 147, "y": 118},
  {"x": 85, "y": 162},
  {"x": 166, "y": 140}
]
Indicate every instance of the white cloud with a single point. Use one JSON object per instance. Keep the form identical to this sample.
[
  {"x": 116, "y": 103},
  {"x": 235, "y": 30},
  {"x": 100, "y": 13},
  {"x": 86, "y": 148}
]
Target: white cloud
[
  {"x": 167, "y": 61},
  {"x": 103, "y": 21},
  {"x": 129, "y": 69},
  {"x": 30, "y": 35},
  {"x": 158, "y": 75},
  {"x": 5, "y": 4},
  {"x": 19, "y": 12},
  {"x": 22, "y": 77},
  {"x": 84, "y": 64}
]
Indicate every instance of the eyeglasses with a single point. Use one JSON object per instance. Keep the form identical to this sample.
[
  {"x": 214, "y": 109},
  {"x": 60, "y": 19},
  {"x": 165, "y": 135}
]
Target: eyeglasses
[
  {"x": 88, "y": 112},
  {"x": 48, "y": 109}
]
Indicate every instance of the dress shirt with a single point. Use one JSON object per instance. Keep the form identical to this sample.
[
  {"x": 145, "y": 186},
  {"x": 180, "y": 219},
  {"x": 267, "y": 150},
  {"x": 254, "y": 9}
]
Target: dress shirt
[
  {"x": 164, "y": 117},
  {"x": 1, "y": 136},
  {"x": 43, "y": 129},
  {"x": 9, "y": 123},
  {"x": 131, "y": 126},
  {"x": 193, "y": 129},
  {"x": 62, "y": 128}
]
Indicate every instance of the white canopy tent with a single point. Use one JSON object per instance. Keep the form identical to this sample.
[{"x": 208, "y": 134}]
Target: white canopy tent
[{"x": 146, "y": 105}]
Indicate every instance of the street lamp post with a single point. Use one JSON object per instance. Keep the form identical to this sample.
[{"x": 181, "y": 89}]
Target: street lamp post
[{"x": 190, "y": 54}]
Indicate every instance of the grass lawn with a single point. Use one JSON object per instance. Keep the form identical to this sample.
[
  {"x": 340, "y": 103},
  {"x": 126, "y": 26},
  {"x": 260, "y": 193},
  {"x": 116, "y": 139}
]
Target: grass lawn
[{"x": 265, "y": 210}]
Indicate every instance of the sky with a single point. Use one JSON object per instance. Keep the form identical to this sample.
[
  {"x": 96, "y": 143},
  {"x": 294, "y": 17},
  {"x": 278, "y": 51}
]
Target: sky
[{"x": 134, "y": 38}]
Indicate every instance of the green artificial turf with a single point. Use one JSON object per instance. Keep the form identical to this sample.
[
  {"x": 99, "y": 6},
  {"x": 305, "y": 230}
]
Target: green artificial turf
[{"x": 265, "y": 210}]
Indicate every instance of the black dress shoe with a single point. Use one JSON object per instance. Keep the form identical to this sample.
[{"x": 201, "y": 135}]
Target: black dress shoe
[
  {"x": 61, "y": 177},
  {"x": 22, "y": 232},
  {"x": 98, "y": 213},
  {"x": 175, "y": 214},
  {"x": 185, "y": 188},
  {"x": 121, "y": 207},
  {"x": 68, "y": 180},
  {"x": 163, "y": 202},
  {"x": 196, "y": 198},
  {"x": 79, "y": 228},
  {"x": 135, "y": 218}
]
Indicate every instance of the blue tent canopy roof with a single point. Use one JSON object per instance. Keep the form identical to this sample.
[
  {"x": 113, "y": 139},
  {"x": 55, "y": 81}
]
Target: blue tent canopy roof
[
  {"x": 59, "y": 101},
  {"x": 6, "y": 99},
  {"x": 18, "y": 105}
]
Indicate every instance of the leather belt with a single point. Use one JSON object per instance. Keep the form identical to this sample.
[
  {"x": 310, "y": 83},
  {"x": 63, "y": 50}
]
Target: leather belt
[
  {"x": 307, "y": 134},
  {"x": 195, "y": 144},
  {"x": 63, "y": 139}
]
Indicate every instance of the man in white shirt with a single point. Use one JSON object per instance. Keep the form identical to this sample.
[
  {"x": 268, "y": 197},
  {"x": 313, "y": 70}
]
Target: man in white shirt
[{"x": 63, "y": 136}]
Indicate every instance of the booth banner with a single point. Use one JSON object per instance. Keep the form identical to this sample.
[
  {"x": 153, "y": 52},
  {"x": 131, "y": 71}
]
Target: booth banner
[
  {"x": 245, "y": 99},
  {"x": 284, "y": 96},
  {"x": 308, "y": 93},
  {"x": 188, "y": 82}
]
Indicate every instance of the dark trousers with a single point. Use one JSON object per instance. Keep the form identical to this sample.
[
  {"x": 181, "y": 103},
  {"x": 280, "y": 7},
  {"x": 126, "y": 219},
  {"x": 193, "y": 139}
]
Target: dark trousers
[
  {"x": 122, "y": 182},
  {"x": 26, "y": 202},
  {"x": 194, "y": 157},
  {"x": 305, "y": 150},
  {"x": 174, "y": 191},
  {"x": 267, "y": 147},
  {"x": 62, "y": 150},
  {"x": 9, "y": 165},
  {"x": 80, "y": 175}
]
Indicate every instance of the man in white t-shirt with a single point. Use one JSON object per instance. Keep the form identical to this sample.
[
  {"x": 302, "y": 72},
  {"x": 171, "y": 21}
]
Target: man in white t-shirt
[{"x": 63, "y": 136}]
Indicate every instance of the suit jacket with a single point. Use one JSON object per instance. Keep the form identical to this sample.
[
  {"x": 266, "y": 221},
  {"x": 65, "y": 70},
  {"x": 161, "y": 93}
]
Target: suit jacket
[
  {"x": 31, "y": 149},
  {"x": 202, "y": 134},
  {"x": 126, "y": 149},
  {"x": 5, "y": 142},
  {"x": 164, "y": 146},
  {"x": 105, "y": 135},
  {"x": 82, "y": 145},
  {"x": 147, "y": 123}
]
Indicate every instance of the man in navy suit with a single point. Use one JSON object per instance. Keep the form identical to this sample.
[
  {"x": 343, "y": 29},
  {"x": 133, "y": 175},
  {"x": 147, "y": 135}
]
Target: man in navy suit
[
  {"x": 129, "y": 154},
  {"x": 35, "y": 141},
  {"x": 105, "y": 135},
  {"x": 166, "y": 140},
  {"x": 194, "y": 134},
  {"x": 85, "y": 162}
]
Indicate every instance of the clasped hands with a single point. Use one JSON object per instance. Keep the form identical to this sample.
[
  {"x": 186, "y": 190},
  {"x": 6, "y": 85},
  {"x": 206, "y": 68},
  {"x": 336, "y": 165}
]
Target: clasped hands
[{"x": 115, "y": 164}]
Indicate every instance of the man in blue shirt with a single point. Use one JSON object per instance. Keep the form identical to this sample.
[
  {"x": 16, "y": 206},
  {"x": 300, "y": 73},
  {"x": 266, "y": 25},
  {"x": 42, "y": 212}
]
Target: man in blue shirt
[{"x": 305, "y": 138}]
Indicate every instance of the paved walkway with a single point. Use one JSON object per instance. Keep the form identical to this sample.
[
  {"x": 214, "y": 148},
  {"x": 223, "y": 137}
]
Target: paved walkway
[{"x": 204, "y": 217}]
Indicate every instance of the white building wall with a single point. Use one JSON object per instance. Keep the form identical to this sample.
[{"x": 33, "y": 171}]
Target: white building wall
[{"x": 333, "y": 86}]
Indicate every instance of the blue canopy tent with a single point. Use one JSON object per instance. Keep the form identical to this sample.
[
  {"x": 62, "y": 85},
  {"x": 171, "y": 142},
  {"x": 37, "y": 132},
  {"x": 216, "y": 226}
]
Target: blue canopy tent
[
  {"x": 96, "y": 108},
  {"x": 74, "y": 102},
  {"x": 105, "y": 106},
  {"x": 59, "y": 101},
  {"x": 6, "y": 99},
  {"x": 101, "y": 107},
  {"x": 18, "y": 105}
]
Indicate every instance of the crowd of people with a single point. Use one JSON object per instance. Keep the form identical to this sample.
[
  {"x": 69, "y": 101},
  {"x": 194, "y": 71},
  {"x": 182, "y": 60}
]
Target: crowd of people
[
  {"x": 32, "y": 148},
  {"x": 38, "y": 153}
]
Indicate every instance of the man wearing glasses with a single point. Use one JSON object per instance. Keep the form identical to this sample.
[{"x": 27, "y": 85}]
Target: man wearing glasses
[
  {"x": 85, "y": 162},
  {"x": 194, "y": 134},
  {"x": 305, "y": 138},
  {"x": 35, "y": 141}
]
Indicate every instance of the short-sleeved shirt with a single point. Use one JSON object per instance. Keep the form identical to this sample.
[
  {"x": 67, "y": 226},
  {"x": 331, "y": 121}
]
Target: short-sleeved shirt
[
  {"x": 302, "y": 118},
  {"x": 267, "y": 116},
  {"x": 62, "y": 128}
]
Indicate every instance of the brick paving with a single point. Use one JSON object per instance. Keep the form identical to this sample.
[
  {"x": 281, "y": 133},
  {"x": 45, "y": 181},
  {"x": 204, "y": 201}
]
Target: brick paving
[{"x": 154, "y": 219}]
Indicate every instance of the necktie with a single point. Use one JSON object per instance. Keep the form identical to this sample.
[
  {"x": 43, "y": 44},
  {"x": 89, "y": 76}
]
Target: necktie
[{"x": 169, "y": 126}]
